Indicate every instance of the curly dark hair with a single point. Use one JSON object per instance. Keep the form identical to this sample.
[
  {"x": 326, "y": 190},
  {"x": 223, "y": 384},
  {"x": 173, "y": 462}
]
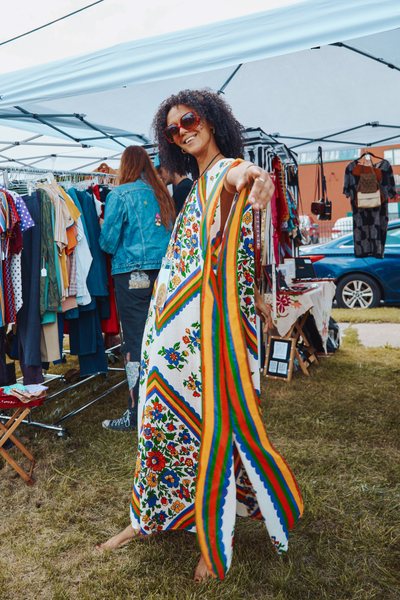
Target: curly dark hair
[{"x": 209, "y": 106}]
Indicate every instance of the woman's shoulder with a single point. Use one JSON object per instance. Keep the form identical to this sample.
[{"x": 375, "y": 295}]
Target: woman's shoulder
[{"x": 131, "y": 187}]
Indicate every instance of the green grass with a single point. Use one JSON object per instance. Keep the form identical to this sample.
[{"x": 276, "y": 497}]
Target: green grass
[
  {"x": 339, "y": 431},
  {"x": 367, "y": 315},
  {"x": 350, "y": 337}
]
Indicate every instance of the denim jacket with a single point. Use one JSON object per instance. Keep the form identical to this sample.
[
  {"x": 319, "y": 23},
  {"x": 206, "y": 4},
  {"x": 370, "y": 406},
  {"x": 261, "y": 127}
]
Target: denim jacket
[{"x": 132, "y": 231}]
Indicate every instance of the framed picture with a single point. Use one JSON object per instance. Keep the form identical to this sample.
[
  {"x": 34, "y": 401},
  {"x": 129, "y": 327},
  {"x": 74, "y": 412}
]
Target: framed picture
[{"x": 279, "y": 358}]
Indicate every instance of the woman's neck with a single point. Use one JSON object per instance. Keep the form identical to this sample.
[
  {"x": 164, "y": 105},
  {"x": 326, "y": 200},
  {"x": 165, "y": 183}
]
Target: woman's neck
[{"x": 204, "y": 160}]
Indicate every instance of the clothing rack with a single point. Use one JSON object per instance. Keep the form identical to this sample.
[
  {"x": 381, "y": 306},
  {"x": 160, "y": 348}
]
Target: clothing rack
[
  {"x": 72, "y": 176},
  {"x": 58, "y": 425},
  {"x": 64, "y": 172}
]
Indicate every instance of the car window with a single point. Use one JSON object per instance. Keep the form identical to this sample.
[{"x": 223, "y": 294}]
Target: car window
[{"x": 393, "y": 237}]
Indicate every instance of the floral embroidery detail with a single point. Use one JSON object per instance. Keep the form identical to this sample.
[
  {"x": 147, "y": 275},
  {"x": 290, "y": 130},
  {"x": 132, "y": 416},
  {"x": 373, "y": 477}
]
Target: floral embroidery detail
[
  {"x": 170, "y": 478},
  {"x": 152, "y": 479},
  {"x": 158, "y": 220},
  {"x": 166, "y": 477},
  {"x": 176, "y": 280},
  {"x": 193, "y": 384},
  {"x": 245, "y": 267},
  {"x": 279, "y": 547},
  {"x": 175, "y": 358},
  {"x": 177, "y": 506},
  {"x": 247, "y": 218},
  {"x": 283, "y": 301},
  {"x": 185, "y": 247},
  {"x": 192, "y": 337}
]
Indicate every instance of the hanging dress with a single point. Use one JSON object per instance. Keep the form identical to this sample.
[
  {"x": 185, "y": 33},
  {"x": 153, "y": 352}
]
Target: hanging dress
[
  {"x": 369, "y": 224},
  {"x": 203, "y": 454}
]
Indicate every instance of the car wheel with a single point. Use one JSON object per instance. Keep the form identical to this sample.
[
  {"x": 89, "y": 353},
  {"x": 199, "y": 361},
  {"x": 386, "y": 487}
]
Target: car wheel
[{"x": 357, "y": 291}]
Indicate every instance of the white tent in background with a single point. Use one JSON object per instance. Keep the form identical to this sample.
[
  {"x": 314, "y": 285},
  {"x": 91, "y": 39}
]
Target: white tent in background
[{"x": 316, "y": 72}]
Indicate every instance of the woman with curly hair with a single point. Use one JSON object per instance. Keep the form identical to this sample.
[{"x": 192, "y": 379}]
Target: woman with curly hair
[{"x": 203, "y": 453}]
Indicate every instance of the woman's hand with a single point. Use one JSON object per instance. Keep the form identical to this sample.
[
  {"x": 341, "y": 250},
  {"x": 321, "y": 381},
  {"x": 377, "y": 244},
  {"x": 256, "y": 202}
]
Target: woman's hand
[
  {"x": 264, "y": 311},
  {"x": 256, "y": 179}
]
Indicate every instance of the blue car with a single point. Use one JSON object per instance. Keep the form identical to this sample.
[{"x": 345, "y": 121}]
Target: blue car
[{"x": 361, "y": 282}]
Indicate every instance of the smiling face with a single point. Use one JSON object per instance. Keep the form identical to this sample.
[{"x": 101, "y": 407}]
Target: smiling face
[{"x": 195, "y": 141}]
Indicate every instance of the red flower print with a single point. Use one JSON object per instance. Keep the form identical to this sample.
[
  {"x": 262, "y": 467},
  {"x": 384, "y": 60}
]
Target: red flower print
[
  {"x": 282, "y": 302},
  {"x": 247, "y": 300},
  {"x": 186, "y": 339},
  {"x": 164, "y": 500},
  {"x": 183, "y": 492},
  {"x": 195, "y": 227},
  {"x": 189, "y": 462},
  {"x": 248, "y": 277},
  {"x": 171, "y": 427},
  {"x": 172, "y": 449},
  {"x": 155, "y": 461}
]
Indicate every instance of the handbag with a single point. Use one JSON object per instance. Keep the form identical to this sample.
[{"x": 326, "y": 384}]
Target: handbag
[
  {"x": 372, "y": 200},
  {"x": 368, "y": 190},
  {"x": 322, "y": 209}
]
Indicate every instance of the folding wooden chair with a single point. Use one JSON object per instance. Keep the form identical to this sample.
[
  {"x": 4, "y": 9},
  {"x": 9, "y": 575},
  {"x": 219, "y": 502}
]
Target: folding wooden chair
[{"x": 20, "y": 411}]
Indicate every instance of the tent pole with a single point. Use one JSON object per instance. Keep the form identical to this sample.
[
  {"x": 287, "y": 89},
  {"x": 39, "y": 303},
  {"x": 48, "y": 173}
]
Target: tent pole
[
  {"x": 38, "y": 118},
  {"x": 227, "y": 82},
  {"x": 141, "y": 138},
  {"x": 393, "y": 137},
  {"x": 379, "y": 60}
]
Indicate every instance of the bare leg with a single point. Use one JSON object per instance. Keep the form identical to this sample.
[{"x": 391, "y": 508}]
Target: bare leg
[
  {"x": 202, "y": 572},
  {"x": 122, "y": 538}
]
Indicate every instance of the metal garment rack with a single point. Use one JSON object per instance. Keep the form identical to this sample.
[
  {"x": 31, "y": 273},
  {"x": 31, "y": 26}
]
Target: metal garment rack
[
  {"x": 58, "y": 425},
  {"x": 72, "y": 176}
]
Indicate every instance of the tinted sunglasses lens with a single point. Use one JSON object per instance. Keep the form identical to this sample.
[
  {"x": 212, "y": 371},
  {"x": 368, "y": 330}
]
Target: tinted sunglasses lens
[
  {"x": 190, "y": 121},
  {"x": 171, "y": 131}
]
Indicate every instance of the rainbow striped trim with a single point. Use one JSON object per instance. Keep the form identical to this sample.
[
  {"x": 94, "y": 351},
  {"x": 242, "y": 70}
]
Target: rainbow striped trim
[
  {"x": 231, "y": 414},
  {"x": 177, "y": 301},
  {"x": 185, "y": 519},
  {"x": 158, "y": 386}
]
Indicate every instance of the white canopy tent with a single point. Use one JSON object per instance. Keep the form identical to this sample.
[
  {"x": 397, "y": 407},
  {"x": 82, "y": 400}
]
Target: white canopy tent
[{"x": 309, "y": 73}]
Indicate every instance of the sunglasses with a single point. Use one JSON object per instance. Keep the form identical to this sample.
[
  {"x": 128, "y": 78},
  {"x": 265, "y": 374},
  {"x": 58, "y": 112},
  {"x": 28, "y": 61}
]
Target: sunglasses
[{"x": 189, "y": 121}]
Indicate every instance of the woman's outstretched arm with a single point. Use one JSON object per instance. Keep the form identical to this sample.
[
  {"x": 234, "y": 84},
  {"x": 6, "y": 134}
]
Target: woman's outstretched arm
[{"x": 256, "y": 179}]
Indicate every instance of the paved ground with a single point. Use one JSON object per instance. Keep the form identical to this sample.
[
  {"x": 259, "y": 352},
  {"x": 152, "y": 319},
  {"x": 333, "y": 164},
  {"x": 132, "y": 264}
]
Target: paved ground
[{"x": 374, "y": 335}]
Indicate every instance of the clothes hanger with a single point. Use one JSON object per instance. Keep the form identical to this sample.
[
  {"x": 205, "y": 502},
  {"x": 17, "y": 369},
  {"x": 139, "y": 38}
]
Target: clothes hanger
[{"x": 366, "y": 154}]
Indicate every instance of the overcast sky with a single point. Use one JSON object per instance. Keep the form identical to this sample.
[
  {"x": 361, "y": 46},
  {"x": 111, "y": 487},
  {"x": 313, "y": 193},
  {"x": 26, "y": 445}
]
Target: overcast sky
[{"x": 106, "y": 24}]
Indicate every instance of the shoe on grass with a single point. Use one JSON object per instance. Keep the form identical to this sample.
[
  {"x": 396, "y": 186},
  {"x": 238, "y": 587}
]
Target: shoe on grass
[{"x": 125, "y": 423}]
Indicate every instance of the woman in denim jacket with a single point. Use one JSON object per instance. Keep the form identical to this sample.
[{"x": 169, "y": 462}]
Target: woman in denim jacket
[{"x": 138, "y": 218}]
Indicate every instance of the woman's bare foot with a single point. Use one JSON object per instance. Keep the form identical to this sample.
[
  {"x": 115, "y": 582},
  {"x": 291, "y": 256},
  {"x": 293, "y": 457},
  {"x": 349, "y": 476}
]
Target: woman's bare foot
[
  {"x": 122, "y": 538},
  {"x": 202, "y": 572}
]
